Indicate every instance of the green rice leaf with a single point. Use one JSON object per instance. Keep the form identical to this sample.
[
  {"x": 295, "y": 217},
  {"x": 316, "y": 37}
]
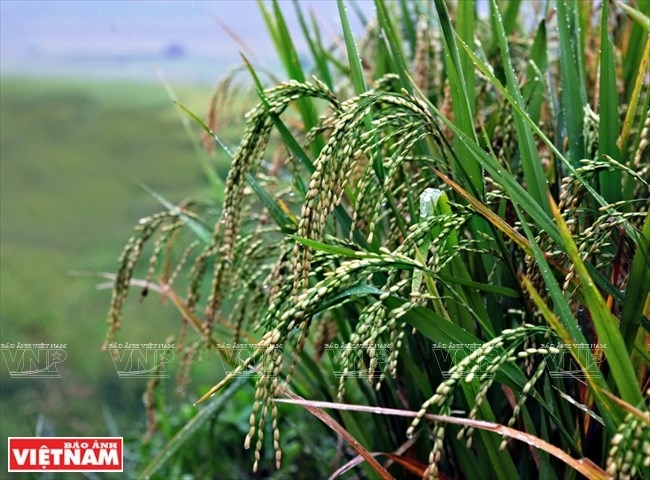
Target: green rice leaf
[
  {"x": 327, "y": 248},
  {"x": 640, "y": 18},
  {"x": 530, "y": 161},
  {"x": 638, "y": 286},
  {"x": 465, "y": 26},
  {"x": 315, "y": 45},
  {"x": 393, "y": 44},
  {"x": 287, "y": 224},
  {"x": 629, "y": 229},
  {"x": 185, "y": 434},
  {"x": 605, "y": 323},
  {"x": 208, "y": 168},
  {"x": 573, "y": 93},
  {"x": 510, "y": 16},
  {"x": 356, "y": 67},
  {"x": 534, "y": 89},
  {"x": 460, "y": 98},
  {"x": 609, "y": 125},
  {"x": 201, "y": 230}
]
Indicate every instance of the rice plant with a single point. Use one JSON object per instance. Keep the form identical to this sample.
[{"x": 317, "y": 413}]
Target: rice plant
[{"x": 446, "y": 222}]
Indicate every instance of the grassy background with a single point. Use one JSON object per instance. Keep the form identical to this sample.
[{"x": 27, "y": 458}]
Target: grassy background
[{"x": 72, "y": 154}]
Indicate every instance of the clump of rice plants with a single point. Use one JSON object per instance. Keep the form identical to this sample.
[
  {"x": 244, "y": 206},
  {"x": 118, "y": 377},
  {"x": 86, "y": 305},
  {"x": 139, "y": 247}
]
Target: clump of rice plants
[{"x": 447, "y": 222}]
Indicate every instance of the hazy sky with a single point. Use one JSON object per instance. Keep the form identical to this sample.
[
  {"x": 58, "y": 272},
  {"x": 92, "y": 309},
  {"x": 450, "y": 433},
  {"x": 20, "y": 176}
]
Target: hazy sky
[{"x": 42, "y": 30}]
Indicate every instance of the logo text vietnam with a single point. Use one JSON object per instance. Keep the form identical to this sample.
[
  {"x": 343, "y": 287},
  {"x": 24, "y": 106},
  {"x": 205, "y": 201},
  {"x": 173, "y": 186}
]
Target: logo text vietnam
[{"x": 65, "y": 454}]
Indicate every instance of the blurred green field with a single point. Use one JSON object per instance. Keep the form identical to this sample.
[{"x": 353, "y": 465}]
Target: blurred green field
[{"x": 71, "y": 156}]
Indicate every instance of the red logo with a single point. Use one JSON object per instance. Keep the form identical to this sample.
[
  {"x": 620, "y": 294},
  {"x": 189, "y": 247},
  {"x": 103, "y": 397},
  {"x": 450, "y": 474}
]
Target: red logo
[{"x": 65, "y": 454}]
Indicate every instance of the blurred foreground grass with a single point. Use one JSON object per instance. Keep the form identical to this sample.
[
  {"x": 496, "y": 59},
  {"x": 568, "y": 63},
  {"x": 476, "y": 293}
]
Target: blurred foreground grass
[{"x": 71, "y": 156}]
